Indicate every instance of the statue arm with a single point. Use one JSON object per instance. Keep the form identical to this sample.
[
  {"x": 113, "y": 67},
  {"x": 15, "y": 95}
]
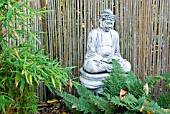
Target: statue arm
[
  {"x": 116, "y": 55},
  {"x": 91, "y": 49},
  {"x": 117, "y": 47}
]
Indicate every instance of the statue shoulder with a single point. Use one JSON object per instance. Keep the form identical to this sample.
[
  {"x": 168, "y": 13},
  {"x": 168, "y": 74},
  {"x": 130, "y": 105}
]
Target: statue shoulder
[
  {"x": 93, "y": 33},
  {"x": 114, "y": 33}
]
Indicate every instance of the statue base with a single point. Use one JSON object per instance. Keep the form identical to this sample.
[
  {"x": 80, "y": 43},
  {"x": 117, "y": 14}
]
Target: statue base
[{"x": 92, "y": 81}]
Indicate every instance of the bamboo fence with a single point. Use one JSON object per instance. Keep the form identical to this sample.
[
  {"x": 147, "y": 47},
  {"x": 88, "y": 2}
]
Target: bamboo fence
[{"x": 143, "y": 27}]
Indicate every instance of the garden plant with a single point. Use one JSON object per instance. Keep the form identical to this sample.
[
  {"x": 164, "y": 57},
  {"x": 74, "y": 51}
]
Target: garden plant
[
  {"x": 122, "y": 93},
  {"x": 22, "y": 66}
]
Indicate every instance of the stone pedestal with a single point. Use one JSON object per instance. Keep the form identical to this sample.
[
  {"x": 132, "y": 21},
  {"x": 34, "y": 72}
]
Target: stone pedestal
[{"x": 92, "y": 81}]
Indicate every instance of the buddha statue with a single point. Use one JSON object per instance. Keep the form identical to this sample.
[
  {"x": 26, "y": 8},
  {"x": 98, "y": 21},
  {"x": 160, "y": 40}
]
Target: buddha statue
[{"x": 102, "y": 48}]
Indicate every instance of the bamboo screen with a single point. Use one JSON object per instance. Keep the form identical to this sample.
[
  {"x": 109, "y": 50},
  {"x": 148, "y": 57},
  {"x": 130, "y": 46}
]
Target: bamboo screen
[{"x": 143, "y": 27}]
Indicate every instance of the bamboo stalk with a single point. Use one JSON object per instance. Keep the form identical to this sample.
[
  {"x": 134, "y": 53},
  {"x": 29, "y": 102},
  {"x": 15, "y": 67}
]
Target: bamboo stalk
[
  {"x": 139, "y": 24},
  {"x": 78, "y": 37},
  {"x": 81, "y": 33},
  {"x": 144, "y": 40},
  {"x": 85, "y": 27},
  {"x": 65, "y": 39},
  {"x": 70, "y": 34},
  {"x": 168, "y": 38}
]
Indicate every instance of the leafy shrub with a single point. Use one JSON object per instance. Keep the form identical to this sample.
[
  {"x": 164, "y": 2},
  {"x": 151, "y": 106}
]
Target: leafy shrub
[
  {"x": 22, "y": 67},
  {"x": 123, "y": 93},
  {"x": 164, "y": 99}
]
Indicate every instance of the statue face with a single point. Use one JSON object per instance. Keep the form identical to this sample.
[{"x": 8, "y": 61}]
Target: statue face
[
  {"x": 107, "y": 25},
  {"x": 106, "y": 20}
]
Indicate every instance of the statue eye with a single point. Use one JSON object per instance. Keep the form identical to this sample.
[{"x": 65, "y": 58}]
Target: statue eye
[{"x": 109, "y": 23}]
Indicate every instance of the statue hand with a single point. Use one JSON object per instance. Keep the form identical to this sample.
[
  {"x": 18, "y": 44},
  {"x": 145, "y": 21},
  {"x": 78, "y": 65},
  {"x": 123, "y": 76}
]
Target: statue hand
[
  {"x": 116, "y": 58},
  {"x": 107, "y": 60}
]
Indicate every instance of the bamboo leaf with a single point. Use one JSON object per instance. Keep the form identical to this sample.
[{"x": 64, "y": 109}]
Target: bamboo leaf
[
  {"x": 16, "y": 80},
  {"x": 46, "y": 11},
  {"x": 29, "y": 8},
  {"x": 22, "y": 84},
  {"x": 26, "y": 76},
  {"x": 53, "y": 82},
  {"x": 30, "y": 78},
  {"x": 69, "y": 68},
  {"x": 9, "y": 14},
  {"x": 2, "y": 3},
  {"x": 34, "y": 36}
]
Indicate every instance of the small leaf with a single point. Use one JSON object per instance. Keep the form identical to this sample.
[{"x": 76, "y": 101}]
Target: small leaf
[
  {"x": 52, "y": 79},
  {"x": 9, "y": 14},
  {"x": 2, "y": 3},
  {"x": 122, "y": 92},
  {"x": 167, "y": 110},
  {"x": 73, "y": 106},
  {"x": 146, "y": 88},
  {"x": 22, "y": 85},
  {"x": 23, "y": 72},
  {"x": 16, "y": 80},
  {"x": 142, "y": 109},
  {"x": 52, "y": 101},
  {"x": 46, "y": 11},
  {"x": 70, "y": 83},
  {"x": 30, "y": 77},
  {"x": 69, "y": 68},
  {"x": 27, "y": 77}
]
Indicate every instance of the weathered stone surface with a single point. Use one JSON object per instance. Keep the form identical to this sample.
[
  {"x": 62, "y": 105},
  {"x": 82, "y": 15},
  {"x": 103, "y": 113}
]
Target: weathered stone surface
[{"x": 92, "y": 81}]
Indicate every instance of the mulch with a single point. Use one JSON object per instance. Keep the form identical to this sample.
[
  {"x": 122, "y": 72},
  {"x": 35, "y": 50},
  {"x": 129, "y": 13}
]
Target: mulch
[{"x": 53, "y": 107}]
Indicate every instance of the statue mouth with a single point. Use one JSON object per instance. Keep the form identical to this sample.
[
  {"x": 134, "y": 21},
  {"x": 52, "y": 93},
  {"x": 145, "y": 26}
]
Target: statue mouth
[{"x": 107, "y": 29}]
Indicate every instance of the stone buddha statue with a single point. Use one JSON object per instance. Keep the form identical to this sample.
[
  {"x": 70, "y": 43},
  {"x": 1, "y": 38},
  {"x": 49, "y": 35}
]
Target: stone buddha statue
[{"x": 102, "y": 48}]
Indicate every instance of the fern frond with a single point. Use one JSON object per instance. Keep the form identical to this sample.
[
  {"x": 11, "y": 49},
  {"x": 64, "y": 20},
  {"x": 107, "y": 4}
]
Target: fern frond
[
  {"x": 154, "y": 108},
  {"x": 135, "y": 86},
  {"x": 164, "y": 100},
  {"x": 167, "y": 80},
  {"x": 152, "y": 79},
  {"x": 129, "y": 99},
  {"x": 79, "y": 104},
  {"x": 99, "y": 102}
]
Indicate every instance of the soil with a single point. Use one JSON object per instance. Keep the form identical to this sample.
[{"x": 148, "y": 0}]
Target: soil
[{"x": 53, "y": 107}]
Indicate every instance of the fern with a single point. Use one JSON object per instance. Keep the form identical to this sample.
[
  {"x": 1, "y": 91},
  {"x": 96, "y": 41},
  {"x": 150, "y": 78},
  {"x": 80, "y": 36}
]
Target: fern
[
  {"x": 154, "y": 108},
  {"x": 135, "y": 86},
  {"x": 152, "y": 79},
  {"x": 116, "y": 81},
  {"x": 79, "y": 104},
  {"x": 164, "y": 100},
  {"x": 120, "y": 80},
  {"x": 133, "y": 101},
  {"x": 167, "y": 80}
]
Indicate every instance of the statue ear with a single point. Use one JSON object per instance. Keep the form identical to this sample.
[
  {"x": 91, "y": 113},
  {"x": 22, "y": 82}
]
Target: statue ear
[{"x": 100, "y": 22}]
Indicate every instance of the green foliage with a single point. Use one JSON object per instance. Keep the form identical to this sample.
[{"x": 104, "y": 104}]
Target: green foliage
[
  {"x": 87, "y": 102},
  {"x": 22, "y": 66},
  {"x": 167, "y": 80},
  {"x": 134, "y": 100},
  {"x": 154, "y": 108},
  {"x": 120, "y": 80},
  {"x": 152, "y": 79},
  {"x": 164, "y": 99},
  {"x": 4, "y": 99}
]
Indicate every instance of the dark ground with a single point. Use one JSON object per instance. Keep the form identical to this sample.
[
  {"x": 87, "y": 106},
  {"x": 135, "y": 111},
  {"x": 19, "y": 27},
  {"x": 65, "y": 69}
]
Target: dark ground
[{"x": 53, "y": 107}]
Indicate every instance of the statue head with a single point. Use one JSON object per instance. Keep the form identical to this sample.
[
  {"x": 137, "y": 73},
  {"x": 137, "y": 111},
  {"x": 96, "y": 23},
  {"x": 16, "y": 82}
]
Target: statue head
[{"x": 106, "y": 20}]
